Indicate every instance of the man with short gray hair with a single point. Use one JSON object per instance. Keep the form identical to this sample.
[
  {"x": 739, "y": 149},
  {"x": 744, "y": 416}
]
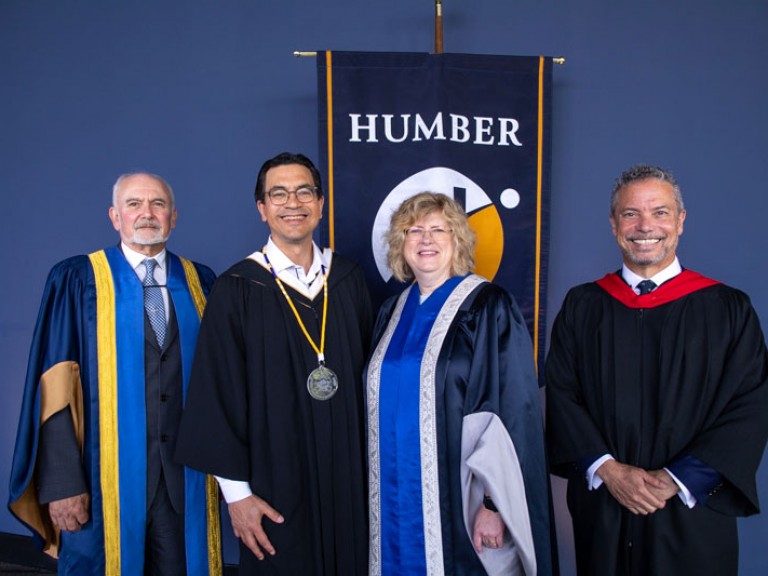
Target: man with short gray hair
[
  {"x": 93, "y": 472},
  {"x": 657, "y": 400}
]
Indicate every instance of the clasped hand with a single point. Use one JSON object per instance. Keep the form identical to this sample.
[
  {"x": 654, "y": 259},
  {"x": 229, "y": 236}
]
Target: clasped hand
[{"x": 639, "y": 491}]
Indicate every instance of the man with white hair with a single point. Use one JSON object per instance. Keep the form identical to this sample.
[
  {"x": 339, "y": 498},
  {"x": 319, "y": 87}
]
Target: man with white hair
[{"x": 93, "y": 474}]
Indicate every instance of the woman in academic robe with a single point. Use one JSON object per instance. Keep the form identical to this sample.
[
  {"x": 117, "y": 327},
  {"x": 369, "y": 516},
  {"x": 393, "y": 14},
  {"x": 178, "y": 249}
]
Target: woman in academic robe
[{"x": 458, "y": 482}]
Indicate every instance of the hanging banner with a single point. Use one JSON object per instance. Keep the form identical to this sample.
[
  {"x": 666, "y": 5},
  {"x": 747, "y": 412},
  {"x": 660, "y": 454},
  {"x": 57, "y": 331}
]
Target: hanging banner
[{"x": 473, "y": 127}]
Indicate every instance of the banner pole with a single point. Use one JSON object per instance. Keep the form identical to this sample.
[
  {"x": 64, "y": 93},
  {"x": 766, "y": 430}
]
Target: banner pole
[
  {"x": 304, "y": 53},
  {"x": 438, "y": 26}
]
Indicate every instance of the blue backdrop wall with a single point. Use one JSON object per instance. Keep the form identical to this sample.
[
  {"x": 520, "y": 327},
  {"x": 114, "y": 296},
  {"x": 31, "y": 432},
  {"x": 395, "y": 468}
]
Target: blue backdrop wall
[{"x": 203, "y": 92}]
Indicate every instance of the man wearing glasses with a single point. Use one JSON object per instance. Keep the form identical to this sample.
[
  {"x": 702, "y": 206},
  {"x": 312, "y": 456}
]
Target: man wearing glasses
[{"x": 275, "y": 402}]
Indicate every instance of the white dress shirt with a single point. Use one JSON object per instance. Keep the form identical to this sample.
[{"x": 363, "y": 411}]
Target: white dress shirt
[{"x": 659, "y": 278}]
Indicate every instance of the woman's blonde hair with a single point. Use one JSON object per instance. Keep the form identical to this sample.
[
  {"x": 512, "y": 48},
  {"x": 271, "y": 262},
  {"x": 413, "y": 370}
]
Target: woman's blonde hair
[{"x": 418, "y": 207}]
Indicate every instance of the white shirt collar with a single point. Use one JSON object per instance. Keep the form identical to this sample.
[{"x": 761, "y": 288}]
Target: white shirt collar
[
  {"x": 309, "y": 284},
  {"x": 659, "y": 278},
  {"x": 135, "y": 259},
  {"x": 281, "y": 263}
]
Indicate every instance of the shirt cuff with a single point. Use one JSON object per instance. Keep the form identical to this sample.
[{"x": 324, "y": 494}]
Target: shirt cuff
[
  {"x": 701, "y": 480},
  {"x": 234, "y": 490},
  {"x": 593, "y": 480},
  {"x": 685, "y": 494}
]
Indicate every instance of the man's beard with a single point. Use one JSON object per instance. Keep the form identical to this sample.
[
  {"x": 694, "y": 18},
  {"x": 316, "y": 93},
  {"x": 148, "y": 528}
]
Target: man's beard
[
  {"x": 648, "y": 259},
  {"x": 144, "y": 240}
]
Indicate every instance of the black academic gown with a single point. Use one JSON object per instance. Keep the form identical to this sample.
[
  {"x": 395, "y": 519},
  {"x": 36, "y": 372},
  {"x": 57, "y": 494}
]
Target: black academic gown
[
  {"x": 681, "y": 373},
  {"x": 249, "y": 416}
]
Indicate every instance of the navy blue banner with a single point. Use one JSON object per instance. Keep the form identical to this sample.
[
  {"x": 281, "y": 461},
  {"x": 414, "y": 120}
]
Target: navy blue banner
[{"x": 473, "y": 127}]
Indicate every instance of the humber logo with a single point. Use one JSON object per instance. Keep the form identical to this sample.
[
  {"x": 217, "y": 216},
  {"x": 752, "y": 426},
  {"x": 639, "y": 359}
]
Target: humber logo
[{"x": 483, "y": 215}]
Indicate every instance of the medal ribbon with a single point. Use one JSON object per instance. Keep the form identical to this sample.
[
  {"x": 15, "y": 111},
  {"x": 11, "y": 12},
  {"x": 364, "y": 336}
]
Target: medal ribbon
[{"x": 318, "y": 351}]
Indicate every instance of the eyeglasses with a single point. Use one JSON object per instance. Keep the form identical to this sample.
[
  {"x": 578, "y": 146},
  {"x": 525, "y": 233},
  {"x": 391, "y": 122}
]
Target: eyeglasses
[
  {"x": 279, "y": 196},
  {"x": 416, "y": 233}
]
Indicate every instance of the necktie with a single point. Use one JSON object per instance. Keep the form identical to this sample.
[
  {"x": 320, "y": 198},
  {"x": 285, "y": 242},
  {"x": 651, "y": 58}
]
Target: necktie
[
  {"x": 153, "y": 301},
  {"x": 646, "y": 286}
]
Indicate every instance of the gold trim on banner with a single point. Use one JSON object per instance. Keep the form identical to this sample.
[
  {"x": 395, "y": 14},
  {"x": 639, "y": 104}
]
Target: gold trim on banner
[
  {"x": 329, "y": 107},
  {"x": 539, "y": 191}
]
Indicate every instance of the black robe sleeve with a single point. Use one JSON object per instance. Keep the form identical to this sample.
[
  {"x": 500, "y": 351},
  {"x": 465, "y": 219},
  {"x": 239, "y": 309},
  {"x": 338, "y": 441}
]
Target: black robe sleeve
[
  {"x": 572, "y": 434},
  {"x": 213, "y": 430},
  {"x": 733, "y": 440}
]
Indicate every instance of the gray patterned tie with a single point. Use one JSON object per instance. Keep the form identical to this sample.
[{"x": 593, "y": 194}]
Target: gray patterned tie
[
  {"x": 153, "y": 301},
  {"x": 646, "y": 286}
]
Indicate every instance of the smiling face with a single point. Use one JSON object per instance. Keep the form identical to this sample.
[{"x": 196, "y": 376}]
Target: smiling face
[
  {"x": 143, "y": 214},
  {"x": 430, "y": 255},
  {"x": 647, "y": 224},
  {"x": 291, "y": 224}
]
